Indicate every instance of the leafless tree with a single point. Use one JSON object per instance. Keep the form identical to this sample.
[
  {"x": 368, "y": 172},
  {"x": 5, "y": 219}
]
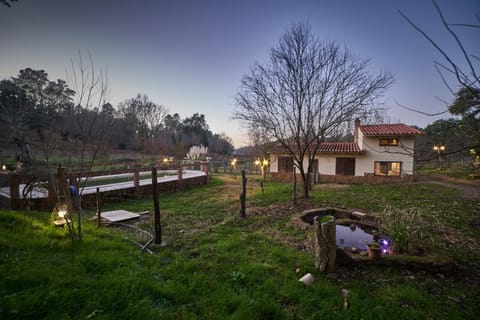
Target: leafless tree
[
  {"x": 307, "y": 89},
  {"x": 91, "y": 117},
  {"x": 259, "y": 141},
  {"x": 90, "y": 123},
  {"x": 460, "y": 76},
  {"x": 146, "y": 116},
  {"x": 8, "y": 3},
  {"x": 463, "y": 69}
]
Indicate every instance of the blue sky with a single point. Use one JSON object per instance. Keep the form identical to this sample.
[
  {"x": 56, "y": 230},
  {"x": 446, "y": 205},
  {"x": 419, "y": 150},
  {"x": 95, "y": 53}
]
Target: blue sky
[{"x": 190, "y": 55}]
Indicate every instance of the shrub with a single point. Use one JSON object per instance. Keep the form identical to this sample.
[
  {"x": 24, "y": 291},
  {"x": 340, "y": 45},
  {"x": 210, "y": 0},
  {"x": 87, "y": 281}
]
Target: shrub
[{"x": 407, "y": 229}]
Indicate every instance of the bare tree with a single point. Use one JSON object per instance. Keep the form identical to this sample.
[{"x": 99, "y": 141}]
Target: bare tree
[
  {"x": 90, "y": 125},
  {"x": 460, "y": 76},
  {"x": 463, "y": 69},
  {"x": 307, "y": 90},
  {"x": 91, "y": 118},
  {"x": 8, "y": 3},
  {"x": 145, "y": 118},
  {"x": 259, "y": 141}
]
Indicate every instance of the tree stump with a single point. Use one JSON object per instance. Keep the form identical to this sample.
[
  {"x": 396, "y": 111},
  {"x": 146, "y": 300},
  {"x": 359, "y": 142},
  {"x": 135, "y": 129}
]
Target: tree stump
[{"x": 325, "y": 244}]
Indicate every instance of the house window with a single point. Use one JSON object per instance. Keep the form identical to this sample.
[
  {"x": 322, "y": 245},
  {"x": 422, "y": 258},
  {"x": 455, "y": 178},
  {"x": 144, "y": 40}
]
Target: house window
[
  {"x": 345, "y": 166},
  {"x": 285, "y": 164},
  {"x": 388, "y": 142},
  {"x": 387, "y": 168}
]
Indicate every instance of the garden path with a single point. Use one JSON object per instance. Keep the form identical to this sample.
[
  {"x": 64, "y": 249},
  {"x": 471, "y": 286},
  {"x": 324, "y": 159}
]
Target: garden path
[{"x": 468, "y": 189}]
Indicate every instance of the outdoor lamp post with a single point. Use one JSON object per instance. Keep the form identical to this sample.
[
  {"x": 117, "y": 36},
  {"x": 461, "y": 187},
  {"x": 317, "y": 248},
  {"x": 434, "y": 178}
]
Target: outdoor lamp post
[
  {"x": 234, "y": 164},
  {"x": 264, "y": 164},
  {"x": 257, "y": 164},
  {"x": 440, "y": 148}
]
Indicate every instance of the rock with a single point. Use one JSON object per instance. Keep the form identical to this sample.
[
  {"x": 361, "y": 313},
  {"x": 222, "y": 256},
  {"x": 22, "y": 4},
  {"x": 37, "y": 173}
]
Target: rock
[{"x": 307, "y": 279}]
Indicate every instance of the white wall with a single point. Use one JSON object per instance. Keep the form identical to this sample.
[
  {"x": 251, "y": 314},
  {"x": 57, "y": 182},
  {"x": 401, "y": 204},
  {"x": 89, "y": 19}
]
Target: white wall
[
  {"x": 373, "y": 152},
  {"x": 273, "y": 163},
  {"x": 364, "y": 163},
  {"x": 327, "y": 164}
]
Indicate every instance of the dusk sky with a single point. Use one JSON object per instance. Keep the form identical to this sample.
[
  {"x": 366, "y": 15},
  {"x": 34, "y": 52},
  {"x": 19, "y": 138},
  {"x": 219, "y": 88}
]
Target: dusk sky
[{"x": 191, "y": 55}]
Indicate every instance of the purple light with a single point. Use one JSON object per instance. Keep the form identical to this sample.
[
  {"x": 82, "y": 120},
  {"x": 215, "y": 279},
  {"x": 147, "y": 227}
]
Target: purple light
[
  {"x": 384, "y": 250},
  {"x": 385, "y": 242}
]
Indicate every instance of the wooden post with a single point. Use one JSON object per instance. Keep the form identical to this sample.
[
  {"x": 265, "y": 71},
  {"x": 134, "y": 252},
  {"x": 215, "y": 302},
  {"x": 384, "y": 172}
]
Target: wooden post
[
  {"x": 180, "y": 176},
  {"x": 262, "y": 180},
  {"x": 294, "y": 185},
  {"x": 243, "y": 195},
  {"x": 156, "y": 205},
  {"x": 99, "y": 210},
  {"x": 325, "y": 244},
  {"x": 75, "y": 198},
  {"x": 136, "y": 180}
]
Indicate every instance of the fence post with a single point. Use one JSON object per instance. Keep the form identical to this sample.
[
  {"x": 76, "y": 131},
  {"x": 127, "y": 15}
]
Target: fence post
[
  {"x": 180, "y": 176},
  {"x": 243, "y": 195},
  {"x": 156, "y": 205},
  {"x": 136, "y": 180},
  {"x": 294, "y": 185},
  {"x": 99, "y": 210}
]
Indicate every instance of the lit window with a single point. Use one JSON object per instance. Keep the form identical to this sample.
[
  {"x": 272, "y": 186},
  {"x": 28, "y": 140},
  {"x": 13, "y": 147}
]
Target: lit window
[
  {"x": 386, "y": 168},
  {"x": 388, "y": 141}
]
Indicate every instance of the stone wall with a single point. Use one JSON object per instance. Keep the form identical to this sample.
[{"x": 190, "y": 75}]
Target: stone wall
[{"x": 366, "y": 179}]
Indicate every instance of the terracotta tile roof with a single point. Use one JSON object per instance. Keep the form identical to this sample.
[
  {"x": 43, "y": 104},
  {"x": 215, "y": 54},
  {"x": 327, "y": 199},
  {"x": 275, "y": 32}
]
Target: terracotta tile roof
[
  {"x": 329, "y": 147},
  {"x": 339, "y": 147},
  {"x": 389, "y": 129}
]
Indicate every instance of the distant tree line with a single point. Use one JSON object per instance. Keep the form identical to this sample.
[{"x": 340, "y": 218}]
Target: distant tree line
[{"x": 49, "y": 116}]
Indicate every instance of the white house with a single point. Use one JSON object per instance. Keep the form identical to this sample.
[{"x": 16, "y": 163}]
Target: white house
[{"x": 379, "y": 153}]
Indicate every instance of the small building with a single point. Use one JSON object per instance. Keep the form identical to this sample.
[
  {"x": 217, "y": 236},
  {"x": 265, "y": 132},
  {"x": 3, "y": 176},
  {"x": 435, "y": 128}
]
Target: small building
[{"x": 380, "y": 153}]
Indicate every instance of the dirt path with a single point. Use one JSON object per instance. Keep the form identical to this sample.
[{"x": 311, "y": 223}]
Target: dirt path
[{"x": 468, "y": 189}]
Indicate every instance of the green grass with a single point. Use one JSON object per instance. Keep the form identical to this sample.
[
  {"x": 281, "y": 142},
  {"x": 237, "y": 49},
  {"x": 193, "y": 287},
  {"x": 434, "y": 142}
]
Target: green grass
[
  {"x": 219, "y": 266},
  {"x": 461, "y": 170}
]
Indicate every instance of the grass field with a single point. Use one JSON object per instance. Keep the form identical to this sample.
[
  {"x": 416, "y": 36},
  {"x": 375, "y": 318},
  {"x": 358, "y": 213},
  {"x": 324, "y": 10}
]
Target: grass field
[{"x": 219, "y": 266}]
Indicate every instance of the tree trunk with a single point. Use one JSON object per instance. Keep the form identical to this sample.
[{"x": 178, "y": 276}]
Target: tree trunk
[
  {"x": 306, "y": 186},
  {"x": 325, "y": 244},
  {"x": 23, "y": 153}
]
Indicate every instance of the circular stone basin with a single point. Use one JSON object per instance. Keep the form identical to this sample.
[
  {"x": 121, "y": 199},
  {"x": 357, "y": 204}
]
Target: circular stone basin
[{"x": 354, "y": 229}]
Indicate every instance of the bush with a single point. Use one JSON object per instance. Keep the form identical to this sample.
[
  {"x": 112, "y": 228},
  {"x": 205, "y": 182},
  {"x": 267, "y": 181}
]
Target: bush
[{"x": 407, "y": 229}]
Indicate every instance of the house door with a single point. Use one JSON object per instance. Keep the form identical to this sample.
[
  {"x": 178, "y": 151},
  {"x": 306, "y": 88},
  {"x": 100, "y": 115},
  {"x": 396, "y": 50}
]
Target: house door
[{"x": 345, "y": 167}]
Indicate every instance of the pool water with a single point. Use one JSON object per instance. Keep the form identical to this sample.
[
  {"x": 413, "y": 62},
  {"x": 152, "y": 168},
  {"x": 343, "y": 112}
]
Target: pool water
[{"x": 352, "y": 236}]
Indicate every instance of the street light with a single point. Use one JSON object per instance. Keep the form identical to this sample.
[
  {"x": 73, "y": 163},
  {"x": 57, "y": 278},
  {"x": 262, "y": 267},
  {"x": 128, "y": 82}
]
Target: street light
[
  {"x": 234, "y": 163},
  {"x": 440, "y": 148},
  {"x": 262, "y": 164}
]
